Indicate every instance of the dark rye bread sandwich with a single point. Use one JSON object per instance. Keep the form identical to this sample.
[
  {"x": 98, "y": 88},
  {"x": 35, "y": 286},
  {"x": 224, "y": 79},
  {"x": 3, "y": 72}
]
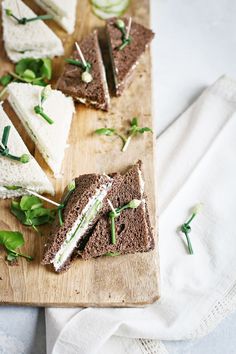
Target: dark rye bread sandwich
[
  {"x": 94, "y": 93},
  {"x": 133, "y": 227},
  {"x": 125, "y": 61},
  {"x": 86, "y": 205}
]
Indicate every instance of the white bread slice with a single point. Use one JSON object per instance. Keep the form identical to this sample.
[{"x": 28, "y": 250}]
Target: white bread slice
[
  {"x": 34, "y": 39},
  {"x": 64, "y": 12},
  {"x": 50, "y": 139},
  {"x": 14, "y": 173}
]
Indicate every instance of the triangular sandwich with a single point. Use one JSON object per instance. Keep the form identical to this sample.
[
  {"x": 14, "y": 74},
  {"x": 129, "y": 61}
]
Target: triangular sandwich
[
  {"x": 64, "y": 12},
  {"x": 33, "y": 39},
  {"x": 133, "y": 227},
  {"x": 86, "y": 204},
  {"x": 13, "y": 173},
  {"x": 95, "y": 92},
  {"x": 50, "y": 139},
  {"x": 124, "y": 60}
]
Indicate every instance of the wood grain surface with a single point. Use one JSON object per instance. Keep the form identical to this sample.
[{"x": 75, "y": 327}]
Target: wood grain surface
[{"x": 128, "y": 280}]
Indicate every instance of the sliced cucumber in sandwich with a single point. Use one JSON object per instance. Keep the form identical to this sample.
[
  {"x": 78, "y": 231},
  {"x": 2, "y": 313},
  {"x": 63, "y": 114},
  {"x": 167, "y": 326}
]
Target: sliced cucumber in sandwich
[
  {"x": 115, "y": 10},
  {"x": 102, "y": 4}
]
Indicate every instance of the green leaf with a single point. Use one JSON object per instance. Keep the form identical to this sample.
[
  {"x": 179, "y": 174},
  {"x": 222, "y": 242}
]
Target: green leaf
[
  {"x": 35, "y": 70},
  {"x": 105, "y": 131},
  {"x": 134, "y": 122},
  {"x": 46, "y": 68},
  {"x": 19, "y": 214},
  {"x": 29, "y": 202},
  {"x": 5, "y": 79},
  {"x": 11, "y": 239},
  {"x": 22, "y": 65},
  {"x": 41, "y": 220},
  {"x": 40, "y": 211},
  {"x": 39, "y": 82},
  {"x": 28, "y": 74},
  {"x": 145, "y": 129}
]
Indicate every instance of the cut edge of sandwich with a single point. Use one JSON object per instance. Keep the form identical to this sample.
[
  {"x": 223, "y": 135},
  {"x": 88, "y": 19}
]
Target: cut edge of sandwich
[
  {"x": 15, "y": 174},
  {"x": 43, "y": 42},
  {"x": 54, "y": 164},
  {"x": 66, "y": 19},
  {"x": 61, "y": 258}
]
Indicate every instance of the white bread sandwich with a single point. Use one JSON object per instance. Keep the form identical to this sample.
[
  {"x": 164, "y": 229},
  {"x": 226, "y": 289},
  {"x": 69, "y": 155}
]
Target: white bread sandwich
[
  {"x": 46, "y": 115},
  {"x": 32, "y": 39},
  {"x": 15, "y": 173},
  {"x": 64, "y": 12}
]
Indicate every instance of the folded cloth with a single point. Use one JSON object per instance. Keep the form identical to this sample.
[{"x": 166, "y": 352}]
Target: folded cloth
[{"x": 196, "y": 163}]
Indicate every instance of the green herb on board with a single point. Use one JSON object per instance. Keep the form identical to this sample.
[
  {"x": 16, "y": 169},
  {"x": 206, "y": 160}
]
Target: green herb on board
[
  {"x": 12, "y": 240},
  {"x": 133, "y": 131}
]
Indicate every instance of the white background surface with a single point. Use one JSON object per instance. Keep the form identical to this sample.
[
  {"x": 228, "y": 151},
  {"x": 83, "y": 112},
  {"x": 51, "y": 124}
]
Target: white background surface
[{"x": 195, "y": 44}]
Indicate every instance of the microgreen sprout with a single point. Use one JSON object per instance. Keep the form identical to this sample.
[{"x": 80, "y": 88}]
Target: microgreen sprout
[
  {"x": 45, "y": 93},
  {"x": 133, "y": 131},
  {"x": 85, "y": 65},
  {"x": 4, "y": 150},
  {"x": 126, "y": 39},
  {"x": 25, "y": 20},
  {"x": 114, "y": 213},
  {"x": 186, "y": 228}
]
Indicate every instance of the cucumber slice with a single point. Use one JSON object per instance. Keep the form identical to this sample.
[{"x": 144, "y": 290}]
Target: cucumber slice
[
  {"x": 103, "y": 4},
  {"x": 114, "y": 11}
]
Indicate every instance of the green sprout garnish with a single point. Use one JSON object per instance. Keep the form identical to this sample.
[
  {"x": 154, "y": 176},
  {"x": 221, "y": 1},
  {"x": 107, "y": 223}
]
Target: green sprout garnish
[
  {"x": 85, "y": 65},
  {"x": 133, "y": 204},
  {"x": 24, "y": 20},
  {"x": 126, "y": 39},
  {"x": 186, "y": 228},
  {"x": 45, "y": 93},
  {"x": 134, "y": 130},
  {"x": 4, "y": 150},
  {"x": 70, "y": 188}
]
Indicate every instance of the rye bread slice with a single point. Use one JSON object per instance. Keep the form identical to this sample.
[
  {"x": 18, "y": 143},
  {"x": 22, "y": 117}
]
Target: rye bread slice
[
  {"x": 86, "y": 186},
  {"x": 96, "y": 92},
  {"x": 133, "y": 227},
  {"x": 125, "y": 61}
]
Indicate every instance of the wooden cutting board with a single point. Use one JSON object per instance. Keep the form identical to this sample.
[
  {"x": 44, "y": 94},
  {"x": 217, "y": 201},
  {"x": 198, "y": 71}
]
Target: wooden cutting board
[{"x": 128, "y": 280}]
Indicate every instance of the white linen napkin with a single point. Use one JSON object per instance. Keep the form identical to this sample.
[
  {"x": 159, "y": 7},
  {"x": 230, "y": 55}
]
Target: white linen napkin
[{"x": 196, "y": 163}]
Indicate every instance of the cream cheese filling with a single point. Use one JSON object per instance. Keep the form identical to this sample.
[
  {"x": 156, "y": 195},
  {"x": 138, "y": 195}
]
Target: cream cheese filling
[{"x": 80, "y": 226}]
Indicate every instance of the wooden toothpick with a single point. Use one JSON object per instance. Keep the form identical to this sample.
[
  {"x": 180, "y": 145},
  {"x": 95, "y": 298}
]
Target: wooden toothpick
[
  {"x": 128, "y": 28},
  {"x": 80, "y": 54},
  {"x": 41, "y": 197},
  {"x": 111, "y": 206}
]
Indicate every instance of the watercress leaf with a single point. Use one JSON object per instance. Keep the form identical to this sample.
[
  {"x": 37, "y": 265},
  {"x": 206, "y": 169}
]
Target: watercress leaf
[
  {"x": 39, "y": 212},
  {"x": 28, "y": 74},
  {"x": 15, "y": 205},
  {"x": 5, "y": 79},
  {"x": 22, "y": 65},
  {"x": 40, "y": 220},
  {"x": 46, "y": 68},
  {"x": 134, "y": 122},
  {"x": 105, "y": 131},
  {"x": 29, "y": 201},
  {"x": 19, "y": 214},
  {"x": 39, "y": 82},
  {"x": 145, "y": 129},
  {"x": 11, "y": 239}
]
